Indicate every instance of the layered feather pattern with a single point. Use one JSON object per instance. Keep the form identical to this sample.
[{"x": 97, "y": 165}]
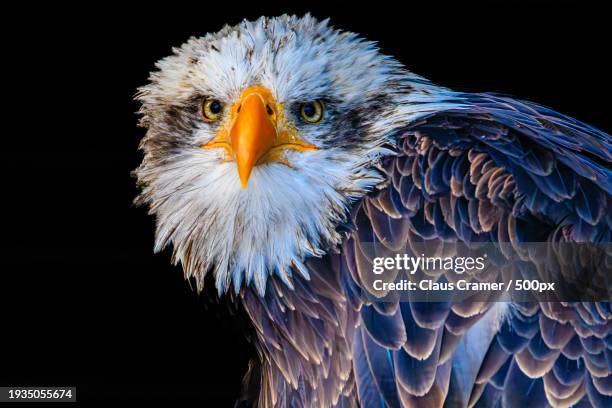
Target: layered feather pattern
[{"x": 491, "y": 169}]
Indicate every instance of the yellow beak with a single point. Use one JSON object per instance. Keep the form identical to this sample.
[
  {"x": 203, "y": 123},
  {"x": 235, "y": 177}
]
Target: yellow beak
[
  {"x": 253, "y": 133},
  {"x": 257, "y": 133}
]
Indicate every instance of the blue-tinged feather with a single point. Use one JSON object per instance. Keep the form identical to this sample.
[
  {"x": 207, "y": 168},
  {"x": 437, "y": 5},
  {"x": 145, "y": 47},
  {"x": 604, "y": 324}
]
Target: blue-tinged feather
[{"x": 387, "y": 330}]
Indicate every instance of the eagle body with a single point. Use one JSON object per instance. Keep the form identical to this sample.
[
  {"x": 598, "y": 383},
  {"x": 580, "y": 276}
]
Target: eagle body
[{"x": 278, "y": 151}]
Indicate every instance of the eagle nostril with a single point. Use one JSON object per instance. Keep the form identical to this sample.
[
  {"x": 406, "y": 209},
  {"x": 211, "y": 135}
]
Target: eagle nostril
[
  {"x": 269, "y": 110},
  {"x": 238, "y": 110}
]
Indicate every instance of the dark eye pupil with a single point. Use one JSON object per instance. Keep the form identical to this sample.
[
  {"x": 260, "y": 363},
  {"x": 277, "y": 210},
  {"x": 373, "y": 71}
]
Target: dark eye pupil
[
  {"x": 215, "y": 107},
  {"x": 309, "y": 110}
]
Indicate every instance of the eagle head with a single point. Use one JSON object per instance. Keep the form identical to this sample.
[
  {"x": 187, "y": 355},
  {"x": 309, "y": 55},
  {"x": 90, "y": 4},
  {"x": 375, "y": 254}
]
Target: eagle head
[{"x": 259, "y": 138}]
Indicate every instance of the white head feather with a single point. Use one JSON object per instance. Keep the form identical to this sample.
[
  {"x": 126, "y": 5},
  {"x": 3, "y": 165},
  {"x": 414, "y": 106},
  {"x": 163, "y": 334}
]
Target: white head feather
[{"x": 286, "y": 213}]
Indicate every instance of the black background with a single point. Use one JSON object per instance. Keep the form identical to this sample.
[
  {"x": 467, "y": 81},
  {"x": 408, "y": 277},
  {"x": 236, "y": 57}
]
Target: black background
[{"x": 84, "y": 300}]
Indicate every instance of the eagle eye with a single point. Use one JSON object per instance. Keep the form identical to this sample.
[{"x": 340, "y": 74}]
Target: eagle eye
[
  {"x": 312, "y": 112},
  {"x": 211, "y": 110}
]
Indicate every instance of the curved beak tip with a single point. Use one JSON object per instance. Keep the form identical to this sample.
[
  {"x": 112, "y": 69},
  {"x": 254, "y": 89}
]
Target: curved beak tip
[{"x": 244, "y": 181}]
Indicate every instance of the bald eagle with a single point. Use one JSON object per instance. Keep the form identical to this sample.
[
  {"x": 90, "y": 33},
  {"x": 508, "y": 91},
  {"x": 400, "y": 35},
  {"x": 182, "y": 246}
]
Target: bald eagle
[{"x": 277, "y": 150}]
